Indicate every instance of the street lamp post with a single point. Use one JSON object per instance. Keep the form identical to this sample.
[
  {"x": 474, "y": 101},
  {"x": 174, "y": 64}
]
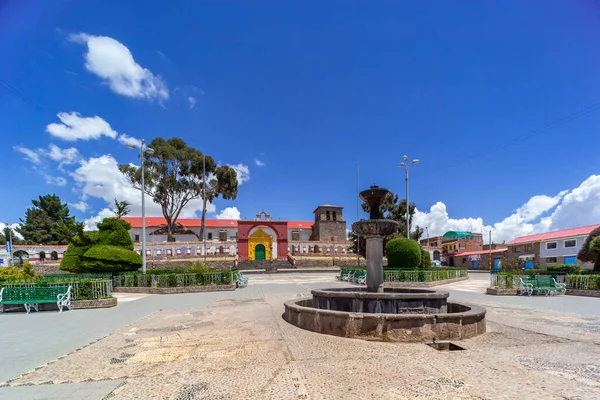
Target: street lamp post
[
  {"x": 143, "y": 151},
  {"x": 406, "y": 165},
  {"x": 427, "y": 230}
]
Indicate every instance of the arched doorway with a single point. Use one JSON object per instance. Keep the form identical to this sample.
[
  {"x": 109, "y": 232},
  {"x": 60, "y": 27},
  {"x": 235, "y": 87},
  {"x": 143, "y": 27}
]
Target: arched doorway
[
  {"x": 436, "y": 255},
  {"x": 451, "y": 261},
  {"x": 260, "y": 252},
  {"x": 54, "y": 255},
  {"x": 42, "y": 256}
]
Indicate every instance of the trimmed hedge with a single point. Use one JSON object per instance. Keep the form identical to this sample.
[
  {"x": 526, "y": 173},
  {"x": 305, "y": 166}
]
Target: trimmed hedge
[
  {"x": 431, "y": 274},
  {"x": 403, "y": 253},
  {"x": 425, "y": 259},
  {"x": 166, "y": 279}
]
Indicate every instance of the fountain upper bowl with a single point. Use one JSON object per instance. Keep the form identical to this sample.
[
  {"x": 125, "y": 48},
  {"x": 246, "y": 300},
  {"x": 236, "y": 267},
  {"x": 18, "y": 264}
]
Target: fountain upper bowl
[{"x": 375, "y": 227}]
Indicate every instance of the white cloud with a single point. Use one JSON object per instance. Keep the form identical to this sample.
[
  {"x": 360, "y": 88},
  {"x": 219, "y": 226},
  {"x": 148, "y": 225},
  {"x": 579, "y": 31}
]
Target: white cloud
[
  {"x": 74, "y": 127},
  {"x": 90, "y": 224},
  {"x": 242, "y": 171},
  {"x": 63, "y": 156},
  {"x": 259, "y": 163},
  {"x": 14, "y": 226},
  {"x": 54, "y": 180},
  {"x": 580, "y": 207},
  {"x": 568, "y": 209},
  {"x": 192, "y": 101},
  {"x": 130, "y": 141},
  {"x": 112, "y": 61},
  {"x": 99, "y": 177},
  {"x": 229, "y": 213},
  {"x": 81, "y": 206},
  {"x": 30, "y": 155}
]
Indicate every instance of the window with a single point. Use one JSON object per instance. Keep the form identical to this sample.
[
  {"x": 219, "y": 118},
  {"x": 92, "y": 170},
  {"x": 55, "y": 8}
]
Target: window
[
  {"x": 334, "y": 216},
  {"x": 328, "y": 216},
  {"x": 571, "y": 243},
  {"x": 464, "y": 260},
  {"x": 137, "y": 238},
  {"x": 461, "y": 246},
  {"x": 295, "y": 235},
  {"x": 223, "y": 236},
  {"x": 551, "y": 260},
  {"x": 433, "y": 244},
  {"x": 209, "y": 235},
  {"x": 551, "y": 245},
  {"x": 528, "y": 247},
  {"x": 516, "y": 249}
]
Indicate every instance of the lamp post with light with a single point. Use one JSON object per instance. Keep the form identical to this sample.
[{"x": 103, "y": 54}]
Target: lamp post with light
[
  {"x": 143, "y": 151},
  {"x": 405, "y": 164}
]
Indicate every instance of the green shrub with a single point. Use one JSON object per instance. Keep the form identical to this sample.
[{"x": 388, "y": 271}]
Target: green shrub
[
  {"x": 120, "y": 238},
  {"x": 17, "y": 273},
  {"x": 197, "y": 267},
  {"x": 564, "y": 268},
  {"x": 402, "y": 252},
  {"x": 106, "y": 258},
  {"x": 425, "y": 259},
  {"x": 108, "y": 250}
]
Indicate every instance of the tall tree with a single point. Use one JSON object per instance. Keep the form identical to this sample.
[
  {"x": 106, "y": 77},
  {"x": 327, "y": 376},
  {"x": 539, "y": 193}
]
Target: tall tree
[
  {"x": 174, "y": 176},
  {"x": 121, "y": 208},
  {"x": 6, "y": 234},
  {"x": 586, "y": 254},
  {"x": 392, "y": 208},
  {"x": 49, "y": 222}
]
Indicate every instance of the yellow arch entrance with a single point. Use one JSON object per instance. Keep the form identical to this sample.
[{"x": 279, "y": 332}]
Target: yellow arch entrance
[{"x": 259, "y": 237}]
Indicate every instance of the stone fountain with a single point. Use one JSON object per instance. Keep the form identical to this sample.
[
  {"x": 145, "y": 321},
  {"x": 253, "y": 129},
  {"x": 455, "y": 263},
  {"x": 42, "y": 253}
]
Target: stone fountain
[
  {"x": 384, "y": 313},
  {"x": 374, "y": 230}
]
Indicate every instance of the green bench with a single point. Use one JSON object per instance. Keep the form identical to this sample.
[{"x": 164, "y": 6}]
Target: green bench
[
  {"x": 541, "y": 285},
  {"x": 33, "y": 296}
]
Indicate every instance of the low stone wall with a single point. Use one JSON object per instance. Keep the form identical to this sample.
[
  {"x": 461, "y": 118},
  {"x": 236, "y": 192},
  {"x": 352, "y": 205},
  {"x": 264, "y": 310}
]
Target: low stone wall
[
  {"x": 174, "y": 290},
  {"x": 501, "y": 292},
  {"x": 424, "y": 284},
  {"x": 327, "y": 261},
  {"x": 96, "y": 303},
  {"x": 461, "y": 322},
  {"x": 581, "y": 292}
]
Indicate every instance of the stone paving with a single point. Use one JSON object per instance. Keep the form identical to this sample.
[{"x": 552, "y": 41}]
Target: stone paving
[{"x": 239, "y": 347}]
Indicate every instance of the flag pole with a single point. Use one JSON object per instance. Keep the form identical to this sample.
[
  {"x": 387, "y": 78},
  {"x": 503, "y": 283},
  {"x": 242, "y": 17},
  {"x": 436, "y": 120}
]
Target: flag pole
[{"x": 357, "y": 218}]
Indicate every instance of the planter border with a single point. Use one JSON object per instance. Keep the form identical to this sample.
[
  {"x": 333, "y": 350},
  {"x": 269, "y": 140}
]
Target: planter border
[
  {"x": 93, "y": 303},
  {"x": 173, "y": 290}
]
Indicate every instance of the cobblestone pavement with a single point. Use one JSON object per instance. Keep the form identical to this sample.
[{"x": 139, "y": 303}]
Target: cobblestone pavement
[{"x": 239, "y": 347}]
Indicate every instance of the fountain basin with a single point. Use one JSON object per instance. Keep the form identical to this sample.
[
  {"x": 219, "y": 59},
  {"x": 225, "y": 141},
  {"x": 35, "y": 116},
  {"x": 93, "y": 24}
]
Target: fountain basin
[
  {"x": 460, "y": 322},
  {"x": 375, "y": 227},
  {"x": 391, "y": 301}
]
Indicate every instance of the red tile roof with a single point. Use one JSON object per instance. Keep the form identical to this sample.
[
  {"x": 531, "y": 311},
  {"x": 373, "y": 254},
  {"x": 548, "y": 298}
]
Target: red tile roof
[
  {"x": 472, "y": 253},
  {"x": 136, "y": 222},
  {"x": 581, "y": 231}
]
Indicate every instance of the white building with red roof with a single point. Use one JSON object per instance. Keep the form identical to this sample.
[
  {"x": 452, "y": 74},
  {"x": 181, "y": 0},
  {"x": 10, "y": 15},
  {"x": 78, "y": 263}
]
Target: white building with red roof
[{"x": 543, "y": 249}]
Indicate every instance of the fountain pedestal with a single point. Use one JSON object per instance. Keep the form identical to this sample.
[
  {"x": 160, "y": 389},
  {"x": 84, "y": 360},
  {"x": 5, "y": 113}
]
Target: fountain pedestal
[{"x": 375, "y": 264}]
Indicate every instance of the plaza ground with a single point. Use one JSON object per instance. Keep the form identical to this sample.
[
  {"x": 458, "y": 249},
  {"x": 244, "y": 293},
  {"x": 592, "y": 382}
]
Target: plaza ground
[{"x": 235, "y": 345}]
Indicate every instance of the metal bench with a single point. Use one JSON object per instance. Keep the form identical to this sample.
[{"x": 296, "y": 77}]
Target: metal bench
[
  {"x": 33, "y": 296},
  {"x": 242, "y": 280},
  {"x": 542, "y": 285}
]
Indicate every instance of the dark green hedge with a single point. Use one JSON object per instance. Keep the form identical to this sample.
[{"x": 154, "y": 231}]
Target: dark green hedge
[
  {"x": 425, "y": 259},
  {"x": 174, "y": 279},
  {"x": 403, "y": 253}
]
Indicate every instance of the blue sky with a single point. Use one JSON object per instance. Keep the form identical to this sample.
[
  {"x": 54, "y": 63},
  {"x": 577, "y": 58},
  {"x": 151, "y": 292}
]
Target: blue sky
[{"x": 309, "y": 89}]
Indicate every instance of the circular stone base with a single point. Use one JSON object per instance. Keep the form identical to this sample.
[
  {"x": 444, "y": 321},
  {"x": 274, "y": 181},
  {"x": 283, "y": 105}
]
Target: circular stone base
[
  {"x": 390, "y": 301},
  {"x": 461, "y": 322}
]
